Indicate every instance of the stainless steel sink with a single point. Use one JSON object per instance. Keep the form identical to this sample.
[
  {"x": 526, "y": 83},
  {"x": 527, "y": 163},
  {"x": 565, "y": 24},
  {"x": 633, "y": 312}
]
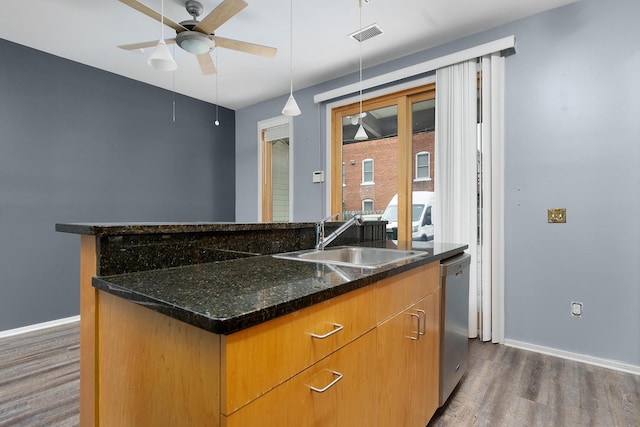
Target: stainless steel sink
[{"x": 352, "y": 256}]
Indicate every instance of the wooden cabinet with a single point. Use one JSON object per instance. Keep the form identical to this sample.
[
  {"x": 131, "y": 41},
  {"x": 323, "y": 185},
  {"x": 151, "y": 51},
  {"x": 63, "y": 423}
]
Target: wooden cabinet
[
  {"x": 429, "y": 359},
  {"x": 153, "y": 370},
  {"x": 375, "y": 350},
  {"x": 343, "y": 393},
  {"x": 157, "y": 371},
  {"x": 407, "y": 345},
  {"x": 257, "y": 359}
]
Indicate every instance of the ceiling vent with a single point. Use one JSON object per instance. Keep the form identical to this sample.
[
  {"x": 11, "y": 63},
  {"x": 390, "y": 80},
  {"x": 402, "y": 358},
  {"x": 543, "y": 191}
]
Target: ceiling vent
[{"x": 366, "y": 33}]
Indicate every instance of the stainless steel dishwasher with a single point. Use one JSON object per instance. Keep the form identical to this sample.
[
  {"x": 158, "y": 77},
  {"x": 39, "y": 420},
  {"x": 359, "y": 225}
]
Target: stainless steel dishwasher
[{"x": 454, "y": 322}]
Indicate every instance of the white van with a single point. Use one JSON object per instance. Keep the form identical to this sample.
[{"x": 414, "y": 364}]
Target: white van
[{"x": 421, "y": 223}]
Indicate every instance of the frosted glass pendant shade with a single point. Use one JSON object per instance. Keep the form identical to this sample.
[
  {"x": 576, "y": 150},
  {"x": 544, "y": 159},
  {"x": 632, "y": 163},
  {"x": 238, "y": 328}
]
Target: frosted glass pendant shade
[
  {"x": 361, "y": 135},
  {"x": 291, "y": 107},
  {"x": 161, "y": 58}
]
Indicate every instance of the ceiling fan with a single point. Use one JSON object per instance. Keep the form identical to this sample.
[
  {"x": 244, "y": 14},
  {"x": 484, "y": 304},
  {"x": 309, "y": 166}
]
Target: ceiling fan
[{"x": 198, "y": 37}]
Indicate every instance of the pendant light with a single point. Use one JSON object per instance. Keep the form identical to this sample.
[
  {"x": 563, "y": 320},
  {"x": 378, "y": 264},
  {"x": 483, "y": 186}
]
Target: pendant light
[
  {"x": 361, "y": 135},
  {"x": 161, "y": 58},
  {"x": 291, "y": 107}
]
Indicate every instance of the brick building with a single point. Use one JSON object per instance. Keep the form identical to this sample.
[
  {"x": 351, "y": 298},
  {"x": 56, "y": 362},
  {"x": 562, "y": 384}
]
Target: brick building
[{"x": 370, "y": 171}]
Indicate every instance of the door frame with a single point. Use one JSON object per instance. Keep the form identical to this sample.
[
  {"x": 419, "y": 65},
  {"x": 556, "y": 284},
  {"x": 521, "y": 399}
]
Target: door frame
[
  {"x": 403, "y": 97},
  {"x": 262, "y": 126}
]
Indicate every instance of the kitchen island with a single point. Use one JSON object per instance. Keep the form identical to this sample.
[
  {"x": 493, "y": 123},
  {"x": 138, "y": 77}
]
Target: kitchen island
[{"x": 258, "y": 340}]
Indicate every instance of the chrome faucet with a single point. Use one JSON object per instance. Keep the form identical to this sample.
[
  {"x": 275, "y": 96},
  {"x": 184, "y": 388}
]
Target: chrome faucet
[{"x": 322, "y": 241}]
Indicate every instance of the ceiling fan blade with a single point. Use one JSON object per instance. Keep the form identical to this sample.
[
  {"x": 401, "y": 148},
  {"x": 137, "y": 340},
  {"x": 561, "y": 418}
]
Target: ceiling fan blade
[
  {"x": 206, "y": 64},
  {"x": 218, "y": 16},
  {"x": 144, "y": 45},
  {"x": 153, "y": 14},
  {"x": 252, "y": 48}
]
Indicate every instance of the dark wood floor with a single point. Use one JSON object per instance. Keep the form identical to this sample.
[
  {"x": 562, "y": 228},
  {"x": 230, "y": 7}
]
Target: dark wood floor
[
  {"x": 503, "y": 387},
  {"x": 40, "y": 377}
]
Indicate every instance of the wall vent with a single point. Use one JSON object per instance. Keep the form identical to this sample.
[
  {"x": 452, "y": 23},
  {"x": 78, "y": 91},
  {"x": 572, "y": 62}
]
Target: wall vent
[{"x": 366, "y": 33}]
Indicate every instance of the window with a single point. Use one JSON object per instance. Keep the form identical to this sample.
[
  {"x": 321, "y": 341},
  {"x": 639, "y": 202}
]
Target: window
[
  {"x": 423, "y": 166},
  {"x": 399, "y": 125},
  {"x": 367, "y": 206},
  {"x": 367, "y": 171}
]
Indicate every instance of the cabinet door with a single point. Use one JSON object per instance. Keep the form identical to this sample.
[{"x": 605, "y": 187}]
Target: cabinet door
[
  {"x": 348, "y": 402},
  {"x": 154, "y": 370},
  {"x": 407, "y": 365},
  {"x": 397, "y": 356},
  {"x": 426, "y": 376}
]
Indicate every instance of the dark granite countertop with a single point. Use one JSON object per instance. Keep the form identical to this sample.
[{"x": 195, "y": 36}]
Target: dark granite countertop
[
  {"x": 128, "y": 228},
  {"x": 228, "y": 296}
]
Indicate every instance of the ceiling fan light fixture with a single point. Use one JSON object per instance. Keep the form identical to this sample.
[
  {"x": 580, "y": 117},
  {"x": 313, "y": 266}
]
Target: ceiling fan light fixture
[
  {"x": 194, "y": 42},
  {"x": 161, "y": 58}
]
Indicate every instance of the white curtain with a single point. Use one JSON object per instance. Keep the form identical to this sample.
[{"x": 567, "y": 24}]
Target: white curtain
[
  {"x": 456, "y": 214},
  {"x": 491, "y": 147},
  {"x": 469, "y": 168}
]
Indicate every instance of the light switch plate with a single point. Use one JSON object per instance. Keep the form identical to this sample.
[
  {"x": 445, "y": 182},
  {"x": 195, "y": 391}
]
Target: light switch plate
[{"x": 557, "y": 215}]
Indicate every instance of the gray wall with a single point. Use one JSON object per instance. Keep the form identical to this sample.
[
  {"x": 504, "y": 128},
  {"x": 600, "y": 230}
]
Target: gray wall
[
  {"x": 82, "y": 145},
  {"x": 572, "y": 140}
]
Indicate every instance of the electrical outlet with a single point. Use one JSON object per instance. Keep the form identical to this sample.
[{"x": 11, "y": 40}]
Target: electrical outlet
[{"x": 576, "y": 308}]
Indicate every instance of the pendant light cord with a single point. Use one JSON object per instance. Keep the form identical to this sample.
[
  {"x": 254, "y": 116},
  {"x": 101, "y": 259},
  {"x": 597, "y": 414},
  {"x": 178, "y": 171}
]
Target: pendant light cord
[
  {"x": 173, "y": 87},
  {"x": 360, "y": 46},
  {"x": 217, "y": 122},
  {"x": 291, "y": 45}
]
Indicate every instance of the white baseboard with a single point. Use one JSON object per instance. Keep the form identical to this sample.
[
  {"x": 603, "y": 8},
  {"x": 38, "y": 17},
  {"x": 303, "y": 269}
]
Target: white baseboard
[
  {"x": 604, "y": 363},
  {"x": 39, "y": 326}
]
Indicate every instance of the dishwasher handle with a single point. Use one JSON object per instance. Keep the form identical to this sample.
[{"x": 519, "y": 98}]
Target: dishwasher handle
[{"x": 455, "y": 265}]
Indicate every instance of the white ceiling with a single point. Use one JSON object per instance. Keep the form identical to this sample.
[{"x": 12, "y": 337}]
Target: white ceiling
[{"x": 88, "y": 31}]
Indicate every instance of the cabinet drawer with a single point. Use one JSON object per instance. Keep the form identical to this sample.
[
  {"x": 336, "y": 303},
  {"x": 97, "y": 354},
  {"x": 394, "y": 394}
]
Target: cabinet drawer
[
  {"x": 348, "y": 402},
  {"x": 396, "y": 293},
  {"x": 258, "y": 359}
]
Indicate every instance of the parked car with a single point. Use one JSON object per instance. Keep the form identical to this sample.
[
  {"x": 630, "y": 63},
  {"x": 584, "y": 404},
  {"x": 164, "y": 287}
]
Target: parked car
[{"x": 421, "y": 223}]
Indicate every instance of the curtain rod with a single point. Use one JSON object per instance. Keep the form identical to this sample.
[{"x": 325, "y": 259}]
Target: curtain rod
[{"x": 506, "y": 45}]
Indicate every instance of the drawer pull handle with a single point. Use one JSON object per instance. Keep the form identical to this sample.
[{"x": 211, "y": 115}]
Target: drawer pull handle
[
  {"x": 336, "y": 328},
  {"x": 424, "y": 321},
  {"x": 417, "y": 317},
  {"x": 338, "y": 377}
]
